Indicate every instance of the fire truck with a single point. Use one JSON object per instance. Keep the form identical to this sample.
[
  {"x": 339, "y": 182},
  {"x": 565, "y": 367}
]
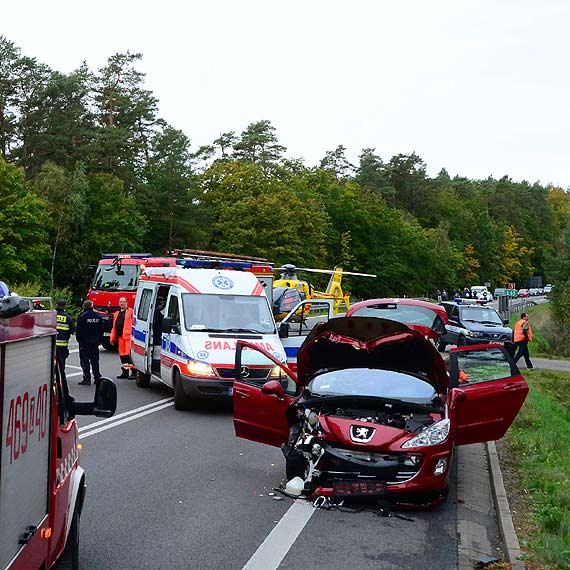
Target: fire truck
[
  {"x": 42, "y": 486},
  {"x": 117, "y": 276}
]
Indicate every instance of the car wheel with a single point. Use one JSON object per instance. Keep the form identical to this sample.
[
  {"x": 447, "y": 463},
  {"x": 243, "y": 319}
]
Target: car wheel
[
  {"x": 69, "y": 559},
  {"x": 181, "y": 400},
  {"x": 106, "y": 343},
  {"x": 440, "y": 345},
  {"x": 142, "y": 380},
  {"x": 461, "y": 341}
]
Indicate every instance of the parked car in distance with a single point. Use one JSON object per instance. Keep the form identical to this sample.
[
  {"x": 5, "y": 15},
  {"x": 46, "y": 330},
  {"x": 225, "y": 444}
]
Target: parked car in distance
[
  {"x": 548, "y": 288},
  {"x": 481, "y": 292},
  {"x": 473, "y": 324},
  {"x": 523, "y": 293}
]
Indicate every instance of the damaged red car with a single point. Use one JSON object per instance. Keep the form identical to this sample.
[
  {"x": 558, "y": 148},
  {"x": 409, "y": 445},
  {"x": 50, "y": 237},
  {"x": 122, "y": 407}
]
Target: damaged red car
[{"x": 373, "y": 409}]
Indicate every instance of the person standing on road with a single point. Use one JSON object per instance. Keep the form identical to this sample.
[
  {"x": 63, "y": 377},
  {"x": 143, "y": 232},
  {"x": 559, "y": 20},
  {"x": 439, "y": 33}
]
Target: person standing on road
[
  {"x": 65, "y": 328},
  {"x": 89, "y": 333},
  {"x": 521, "y": 337},
  {"x": 121, "y": 336}
]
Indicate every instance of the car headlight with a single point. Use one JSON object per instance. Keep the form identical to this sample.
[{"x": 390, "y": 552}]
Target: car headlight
[
  {"x": 201, "y": 369},
  {"x": 432, "y": 435},
  {"x": 474, "y": 334}
]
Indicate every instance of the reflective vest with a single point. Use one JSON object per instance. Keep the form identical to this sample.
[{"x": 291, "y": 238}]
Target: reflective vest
[
  {"x": 519, "y": 334},
  {"x": 129, "y": 318},
  {"x": 65, "y": 328}
]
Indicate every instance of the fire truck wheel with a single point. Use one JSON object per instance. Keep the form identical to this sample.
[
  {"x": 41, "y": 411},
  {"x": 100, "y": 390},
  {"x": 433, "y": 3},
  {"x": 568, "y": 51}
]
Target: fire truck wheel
[
  {"x": 181, "y": 400},
  {"x": 70, "y": 558},
  {"x": 142, "y": 380}
]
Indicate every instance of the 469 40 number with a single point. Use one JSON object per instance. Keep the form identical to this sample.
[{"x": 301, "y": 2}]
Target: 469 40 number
[{"x": 27, "y": 420}]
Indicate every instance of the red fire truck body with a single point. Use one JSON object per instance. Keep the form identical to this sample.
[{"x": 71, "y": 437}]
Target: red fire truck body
[
  {"x": 42, "y": 486},
  {"x": 117, "y": 276}
]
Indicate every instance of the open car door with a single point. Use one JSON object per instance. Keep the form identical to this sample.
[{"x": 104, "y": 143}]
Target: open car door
[
  {"x": 487, "y": 391},
  {"x": 260, "y": 405}
]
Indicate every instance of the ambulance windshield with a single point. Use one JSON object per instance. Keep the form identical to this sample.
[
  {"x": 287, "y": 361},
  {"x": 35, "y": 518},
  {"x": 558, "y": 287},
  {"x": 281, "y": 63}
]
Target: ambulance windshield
[
  {"x": 227, "y": 313},
  {"x": 116, "y": 278}
]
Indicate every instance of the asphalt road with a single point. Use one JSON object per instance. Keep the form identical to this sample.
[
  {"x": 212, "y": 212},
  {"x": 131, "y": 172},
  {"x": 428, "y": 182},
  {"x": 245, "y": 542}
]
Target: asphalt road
[{"x": 178, "y": 491}]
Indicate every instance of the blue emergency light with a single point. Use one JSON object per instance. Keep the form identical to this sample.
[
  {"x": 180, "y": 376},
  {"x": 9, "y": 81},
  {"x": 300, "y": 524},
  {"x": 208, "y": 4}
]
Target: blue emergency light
[{"x": 213, "y": 264}]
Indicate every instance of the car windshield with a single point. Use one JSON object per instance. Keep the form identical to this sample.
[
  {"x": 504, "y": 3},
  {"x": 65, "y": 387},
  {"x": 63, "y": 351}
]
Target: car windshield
[
  {"x": 405, "y": 314},
  {"x": 373, "y": 383},
  {"x": 481, "y": 315},
  {"x": 227, "y": 313},
  {"x": 119, "y": 277}
]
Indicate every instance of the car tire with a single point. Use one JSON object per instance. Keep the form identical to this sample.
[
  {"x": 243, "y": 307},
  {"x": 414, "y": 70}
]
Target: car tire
[
  {"x": 142, "y": 380},
  {"x": 461, "y": 341},
  {"x": 440, "y": 345},
  {"x": 181, "y": 400},
  {"x": 106, "y": 343},
  {"x": 69, "y": 559}
]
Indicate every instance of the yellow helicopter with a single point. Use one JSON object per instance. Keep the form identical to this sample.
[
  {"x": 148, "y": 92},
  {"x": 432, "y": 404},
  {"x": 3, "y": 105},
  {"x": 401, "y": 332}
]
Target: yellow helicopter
[{"x": 290, "y": 290}]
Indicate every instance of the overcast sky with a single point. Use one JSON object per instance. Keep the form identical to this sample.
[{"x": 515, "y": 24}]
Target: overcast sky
[{"x": 477, "y": 87}]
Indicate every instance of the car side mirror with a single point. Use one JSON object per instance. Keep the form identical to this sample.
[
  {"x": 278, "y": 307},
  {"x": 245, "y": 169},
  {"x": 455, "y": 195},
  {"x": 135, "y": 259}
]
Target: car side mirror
[
  {"x": 273, "y": 387},
  {"x": 284, "y": 330},
  {"x": 104, "y": 403},
  {"x": 506, "y": 322}
]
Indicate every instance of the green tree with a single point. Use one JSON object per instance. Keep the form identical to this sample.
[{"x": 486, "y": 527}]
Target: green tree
[
  {"x": 258, "y": 144},
  {"x": 23, "y": 241}
]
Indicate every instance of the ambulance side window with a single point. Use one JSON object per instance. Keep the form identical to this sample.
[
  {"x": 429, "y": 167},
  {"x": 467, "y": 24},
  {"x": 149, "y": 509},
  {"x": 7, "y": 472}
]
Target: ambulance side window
[
  {"x": 174, "y": 311},
  {"x": 144, "y": 304}
]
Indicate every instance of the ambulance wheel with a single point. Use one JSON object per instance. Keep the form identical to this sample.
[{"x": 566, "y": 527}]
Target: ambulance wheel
[
  {"x": 142, "y": 380},
  {"x": 181, "y": 400},
  {"x": 70, "y": 558}
]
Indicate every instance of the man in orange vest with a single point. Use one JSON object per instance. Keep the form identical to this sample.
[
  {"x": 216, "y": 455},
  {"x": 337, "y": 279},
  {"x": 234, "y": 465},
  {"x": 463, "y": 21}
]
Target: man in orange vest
[
  {"x": 121, "y": 336},
  {"x": 521, "y": 337}
]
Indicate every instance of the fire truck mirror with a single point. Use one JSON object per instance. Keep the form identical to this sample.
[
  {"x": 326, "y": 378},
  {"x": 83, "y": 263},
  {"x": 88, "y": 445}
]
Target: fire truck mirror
[{"x": 105, "y": 402}]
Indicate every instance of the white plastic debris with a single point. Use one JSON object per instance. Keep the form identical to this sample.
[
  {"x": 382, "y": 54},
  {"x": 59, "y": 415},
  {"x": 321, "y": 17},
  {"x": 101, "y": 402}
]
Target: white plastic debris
[{"x": 295, "y": 486}]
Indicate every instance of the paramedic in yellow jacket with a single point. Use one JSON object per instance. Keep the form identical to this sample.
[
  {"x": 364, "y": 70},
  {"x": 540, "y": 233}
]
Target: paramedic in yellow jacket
[
  {"x": 121, "y": 337},
  {"x": 521, "y": 337}
]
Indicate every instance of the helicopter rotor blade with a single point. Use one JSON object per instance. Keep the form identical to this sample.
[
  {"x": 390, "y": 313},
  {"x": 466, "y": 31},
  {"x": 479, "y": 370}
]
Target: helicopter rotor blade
[{"x": 327, "y": 271}]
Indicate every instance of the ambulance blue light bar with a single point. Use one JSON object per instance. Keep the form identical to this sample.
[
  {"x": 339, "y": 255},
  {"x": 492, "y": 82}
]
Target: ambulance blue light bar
[
  {"x": 213, "y": 264},
  {"x": 126, "y": 255}
]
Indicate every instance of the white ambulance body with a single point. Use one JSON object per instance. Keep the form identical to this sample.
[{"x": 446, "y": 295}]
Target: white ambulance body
[{"x": 190, "y": 344}]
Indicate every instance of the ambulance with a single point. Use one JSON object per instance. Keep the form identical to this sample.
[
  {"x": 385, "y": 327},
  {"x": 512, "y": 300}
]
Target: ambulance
[{"x": 187, "y": 321}]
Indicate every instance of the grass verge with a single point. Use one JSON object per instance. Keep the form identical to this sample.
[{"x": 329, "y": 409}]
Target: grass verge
[{"x": 539, "y": 456}]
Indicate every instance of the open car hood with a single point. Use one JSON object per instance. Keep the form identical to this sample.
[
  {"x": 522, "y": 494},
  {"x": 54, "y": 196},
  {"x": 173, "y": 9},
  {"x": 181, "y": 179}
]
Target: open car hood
[{"x": 370, "y": 342}]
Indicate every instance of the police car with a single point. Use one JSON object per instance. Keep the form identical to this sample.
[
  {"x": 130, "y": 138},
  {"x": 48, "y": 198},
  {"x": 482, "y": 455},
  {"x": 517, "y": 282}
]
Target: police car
[{"x": 473, "y": 324}]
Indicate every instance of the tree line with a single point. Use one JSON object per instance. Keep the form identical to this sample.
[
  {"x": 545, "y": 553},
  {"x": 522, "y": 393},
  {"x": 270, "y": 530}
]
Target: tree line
[{"x": 88, "y": 166}]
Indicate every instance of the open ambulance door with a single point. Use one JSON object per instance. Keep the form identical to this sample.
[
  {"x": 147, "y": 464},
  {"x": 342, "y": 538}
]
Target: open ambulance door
[
  {"x": 260, "y": 405},
  {"x": 295, "y": 327},
  {"x": 486, "y": 392}
]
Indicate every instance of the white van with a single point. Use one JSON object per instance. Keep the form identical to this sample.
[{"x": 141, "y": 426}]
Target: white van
[
  {"x": 187, "y": 322},
  {"x": 481, "y": 292}
]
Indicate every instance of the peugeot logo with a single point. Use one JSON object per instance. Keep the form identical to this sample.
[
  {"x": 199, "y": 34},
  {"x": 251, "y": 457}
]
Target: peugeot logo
[
  {"x": 244, "y": 371},
  {"x": 361, "y": 434}
]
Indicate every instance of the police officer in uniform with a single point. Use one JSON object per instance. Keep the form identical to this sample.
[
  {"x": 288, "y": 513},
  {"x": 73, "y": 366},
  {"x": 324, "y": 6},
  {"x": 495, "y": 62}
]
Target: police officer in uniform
[
  {"x": 89, "y": 334},
  {"x": 65, "y": 328}
]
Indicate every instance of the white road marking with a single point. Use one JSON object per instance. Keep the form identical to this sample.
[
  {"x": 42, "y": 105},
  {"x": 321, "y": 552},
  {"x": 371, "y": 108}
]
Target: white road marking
[
  {"x": 125, "y": 420},
  {"x": 71, "y": 366},
  {"x": 279, "y": 541},
  {"x": 124, "y": 414}
]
